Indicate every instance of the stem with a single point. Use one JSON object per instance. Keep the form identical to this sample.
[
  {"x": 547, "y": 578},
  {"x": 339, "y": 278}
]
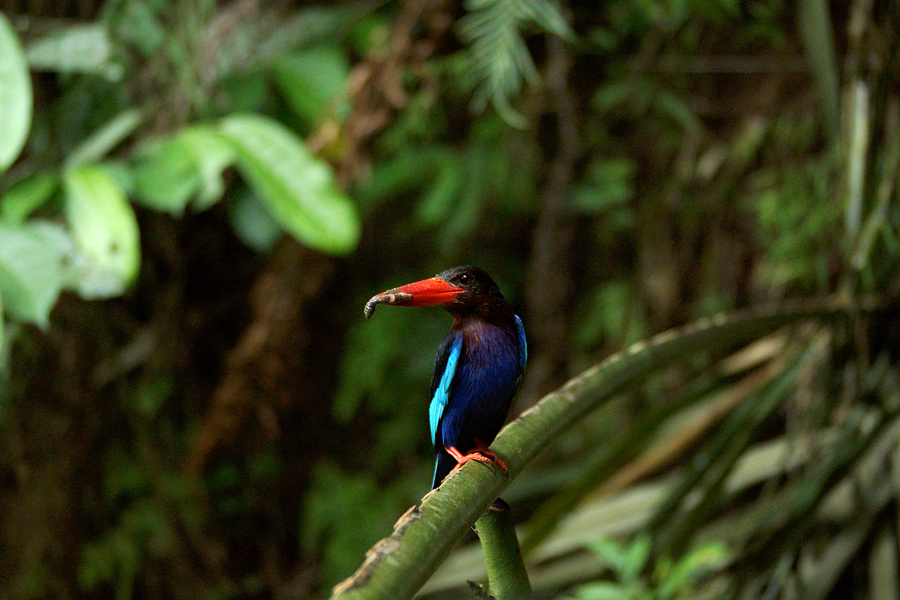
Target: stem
[
  {"x": 817, "y": 34},
  {"x": 507, "y": 578},
  {"x": 400, "y": 564}
]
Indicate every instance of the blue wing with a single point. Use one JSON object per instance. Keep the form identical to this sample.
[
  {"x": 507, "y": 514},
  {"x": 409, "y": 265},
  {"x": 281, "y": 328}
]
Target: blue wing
[
  {"x": 523, "y": 346},
  {"x": 441, "y": 394}
]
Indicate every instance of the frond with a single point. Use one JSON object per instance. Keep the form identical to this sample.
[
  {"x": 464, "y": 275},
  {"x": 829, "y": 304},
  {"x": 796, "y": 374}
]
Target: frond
[{"x": 500, "y": 58}]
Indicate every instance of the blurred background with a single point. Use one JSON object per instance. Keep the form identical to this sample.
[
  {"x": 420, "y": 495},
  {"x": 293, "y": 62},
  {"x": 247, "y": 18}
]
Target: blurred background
[{"x": 198, "y": 197}]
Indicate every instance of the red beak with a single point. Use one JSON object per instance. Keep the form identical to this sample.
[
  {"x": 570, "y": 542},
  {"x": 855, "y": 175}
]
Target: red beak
[{"x": 428, "y": 292}]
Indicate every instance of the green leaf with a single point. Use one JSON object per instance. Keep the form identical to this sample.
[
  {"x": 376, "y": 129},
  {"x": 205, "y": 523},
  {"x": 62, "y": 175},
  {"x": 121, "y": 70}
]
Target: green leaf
[
  {"x": 312, "y": 81},
  {"x": 613, "y": 555},
  {"x": 603, "y": 590},
  {"x": 105, "y": 231},
  {"x": 30, "y": 274},
  {"x": 636, "y": 556},
  {"x": 76, "y": 49},
  {"x": 15, "y": 95},
  {"x": 212, "y": 154},
  {"x": 251, "y": 222},
  {"x": 73, "y": 263},
  {"x": 699, "y": 562},
  {"x": 170, "y": 173},
  {"x": 166, "y": 176},
  {"x": 500, "y": 59},
  {"x": 105, "y": 138},
  {"x": 25, "y": 196},
  {"x": 297, "y": 188}
]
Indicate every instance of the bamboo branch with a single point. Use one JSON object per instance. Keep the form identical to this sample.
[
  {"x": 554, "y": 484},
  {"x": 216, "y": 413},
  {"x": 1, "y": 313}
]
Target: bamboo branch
[
  {"x": 400, "y": 564},
  {"x": 507, "y": 578}
]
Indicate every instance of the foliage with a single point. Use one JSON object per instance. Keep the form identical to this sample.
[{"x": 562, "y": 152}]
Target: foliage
[
  {"x": 298, "y": 189},
  {"x": 667, "y": 159},
  {"x": 667, "y": 578},
  {"x": 337, "y": 497},
  {"x": 15, "y": 98},
  {"x": 500, "y": 59},
  {"x": 167, "y": 173}
]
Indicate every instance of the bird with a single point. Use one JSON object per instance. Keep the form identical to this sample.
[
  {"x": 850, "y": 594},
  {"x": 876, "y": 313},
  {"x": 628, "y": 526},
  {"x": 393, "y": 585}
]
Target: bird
[{"x": 479, "y": 364}]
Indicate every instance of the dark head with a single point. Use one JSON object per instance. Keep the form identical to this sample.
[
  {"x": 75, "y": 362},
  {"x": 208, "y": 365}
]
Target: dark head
[{"x": 462, "y": 291}]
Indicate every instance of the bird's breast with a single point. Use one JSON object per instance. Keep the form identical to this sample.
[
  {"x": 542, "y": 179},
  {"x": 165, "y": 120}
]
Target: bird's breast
[{"x": 490, "y": 361}]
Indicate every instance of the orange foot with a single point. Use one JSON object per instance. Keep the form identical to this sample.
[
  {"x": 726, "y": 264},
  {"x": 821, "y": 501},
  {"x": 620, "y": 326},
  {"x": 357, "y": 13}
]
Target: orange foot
[{"x": 481, "y": 454}]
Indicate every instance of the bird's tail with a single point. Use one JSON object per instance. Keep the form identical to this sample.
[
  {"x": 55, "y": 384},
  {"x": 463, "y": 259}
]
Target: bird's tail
[{"x": 442, "y": 467}]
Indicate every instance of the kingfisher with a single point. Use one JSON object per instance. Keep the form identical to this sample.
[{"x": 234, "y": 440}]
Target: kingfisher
[{"x": 478, "y": 367}]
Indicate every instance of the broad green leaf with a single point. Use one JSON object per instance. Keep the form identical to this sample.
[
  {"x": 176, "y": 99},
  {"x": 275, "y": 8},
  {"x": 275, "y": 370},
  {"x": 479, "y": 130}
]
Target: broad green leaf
[
  {"x": 312, "y": 81},
  {"x": 15, "y": 95},
  {"x": 105, "y": 231},
  {"x": 30, "y": 274},
  {"x": 2, "y": 319},
  {"x": 212, "y": 154},
  {"x": 76, "y": 49},
  {"x": 25, "y": 196},
  {"x": 121, "y": 174},
  {"x": 58, "y": 239},
  {"x": 79, "y": 272},
  {"x": 297, "y": 188},
  {"x": 166, "y": 176},
  {"x": 251, "y": 222},
  {"x": 188, "y": 166}
]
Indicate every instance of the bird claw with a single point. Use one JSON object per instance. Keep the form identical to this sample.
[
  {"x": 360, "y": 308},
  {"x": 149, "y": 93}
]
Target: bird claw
[{"x": 480, "y": 454}]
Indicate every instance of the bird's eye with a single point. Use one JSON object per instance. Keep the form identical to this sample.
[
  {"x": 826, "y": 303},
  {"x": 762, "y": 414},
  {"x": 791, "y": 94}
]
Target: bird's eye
[{"x": 465, "y": 278}]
